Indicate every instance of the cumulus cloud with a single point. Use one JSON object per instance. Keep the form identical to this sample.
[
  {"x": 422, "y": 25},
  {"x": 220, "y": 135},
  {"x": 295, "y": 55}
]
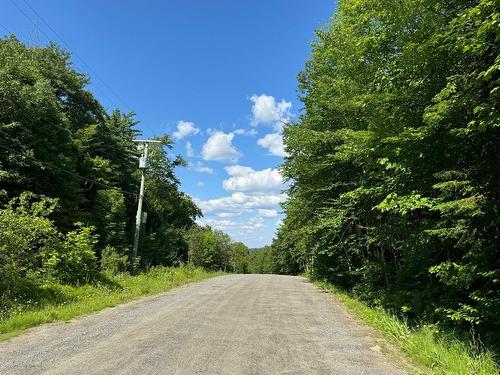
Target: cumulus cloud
[
  {"x": 266, "y": 110},
  {"x": 263, "y": 212},
  {"x": 248, "y": 133},
  {"x": 218, "y": 224},
  {"x": 251, "y": 225},
  {"x": 204, "y": 170},
  {"x": 189, "y": 149},
  {"x": 200, "y": 184},
  {"x": 219, "y": 147},
  {"x": 274, "y": 144},
  {"x": 239, "y": 202},
  {"x": 227, "y": 214},
  {"x": 247, "y": 179},
  {"x": 185, "y": 129},
  {"x": 199, "y": 167}
]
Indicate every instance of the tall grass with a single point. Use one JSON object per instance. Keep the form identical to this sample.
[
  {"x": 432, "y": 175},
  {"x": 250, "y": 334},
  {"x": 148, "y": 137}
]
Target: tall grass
[
  {"x": 433, "y": 354},
  {"x": 63, "y": 302}
]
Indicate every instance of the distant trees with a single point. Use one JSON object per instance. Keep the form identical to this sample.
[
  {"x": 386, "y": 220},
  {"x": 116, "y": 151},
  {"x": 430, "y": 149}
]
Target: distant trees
[
  {"x": 393, "y": 166},
  {"x": 214, "y": 250},
  {"x": 261, "y": 261}
]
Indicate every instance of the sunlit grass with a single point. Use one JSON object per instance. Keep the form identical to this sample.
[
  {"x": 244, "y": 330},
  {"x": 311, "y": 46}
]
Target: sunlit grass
[
  {"x": 69, "y": 302},
  {"x": 433, "y": 354}
]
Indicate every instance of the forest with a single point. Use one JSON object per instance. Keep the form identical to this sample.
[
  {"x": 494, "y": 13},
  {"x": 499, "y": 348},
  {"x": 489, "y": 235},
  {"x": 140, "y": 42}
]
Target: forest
[
  {"x": 393, "y": 162},
  {"x": 69, "y": 183}
]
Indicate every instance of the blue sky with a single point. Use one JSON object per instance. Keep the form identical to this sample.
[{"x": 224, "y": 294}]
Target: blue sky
[{"x": 219, "y": 76}]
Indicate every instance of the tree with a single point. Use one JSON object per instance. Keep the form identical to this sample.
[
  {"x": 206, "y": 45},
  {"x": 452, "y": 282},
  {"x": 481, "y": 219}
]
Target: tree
[
  {"x": 393, "y": 185},
  {"x": 238, "y": 257}
]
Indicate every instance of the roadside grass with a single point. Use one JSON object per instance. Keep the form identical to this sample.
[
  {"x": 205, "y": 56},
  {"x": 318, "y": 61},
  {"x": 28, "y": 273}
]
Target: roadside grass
[
  {"x": 64, "y": 302},
  {"x": 431, "y": 353}
]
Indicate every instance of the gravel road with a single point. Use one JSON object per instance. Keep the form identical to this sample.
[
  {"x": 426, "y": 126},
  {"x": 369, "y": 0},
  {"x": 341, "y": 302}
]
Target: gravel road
[{"x": 236, "y": 324}]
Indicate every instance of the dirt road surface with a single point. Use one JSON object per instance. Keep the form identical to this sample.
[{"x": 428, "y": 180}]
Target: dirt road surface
[{"x": 235, "y": 324}]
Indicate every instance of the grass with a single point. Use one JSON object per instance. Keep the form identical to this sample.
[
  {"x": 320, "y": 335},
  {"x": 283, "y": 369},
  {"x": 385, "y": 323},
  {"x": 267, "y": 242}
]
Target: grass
[
  {"x": 431, "y": 353},
  {"x": 56, "y": 302}
]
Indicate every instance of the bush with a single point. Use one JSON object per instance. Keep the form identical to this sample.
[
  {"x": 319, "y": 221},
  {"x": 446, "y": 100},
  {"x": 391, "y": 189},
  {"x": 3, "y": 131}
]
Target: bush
[
  {"x": 25, "y": 233},
  {"x": 74, "y": 261},
  {"x": 113, "y": 262}
]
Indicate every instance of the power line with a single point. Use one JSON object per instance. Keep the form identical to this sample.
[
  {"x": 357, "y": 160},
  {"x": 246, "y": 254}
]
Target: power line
[
  {"x": 86, "y": 179},
  {"x": 6, "y": 29},
  {"x": 77, "y": 55},
  {"x": 48, "y": 39},
  {"x": 80, "y": 58}
]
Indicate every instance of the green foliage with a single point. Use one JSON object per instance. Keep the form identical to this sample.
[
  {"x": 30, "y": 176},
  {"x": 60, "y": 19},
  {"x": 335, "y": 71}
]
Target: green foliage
[
  {"x": 113, "y": 262},
  {"x": 74, "y": 260},
  {"x": 52, "y": 130},
  {"x": 261, "y": 261},
  {"x": 79, "y": 163},
  {"x": 213, "y": 250},
  {"x": 25, "y": 235},
  {"x": 394, "y": 185},
  {"x": 110, "y": 218},
  {"x": 202, "y": 248},
  {"x": 238, "y": 258}
]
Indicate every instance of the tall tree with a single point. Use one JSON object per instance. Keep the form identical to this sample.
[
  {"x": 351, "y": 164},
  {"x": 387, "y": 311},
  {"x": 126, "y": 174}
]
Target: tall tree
[{"x": 394, "y": 191}]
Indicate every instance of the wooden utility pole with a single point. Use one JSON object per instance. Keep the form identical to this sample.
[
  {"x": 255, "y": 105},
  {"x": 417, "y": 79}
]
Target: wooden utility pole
[{"x": 143, "y": 164}]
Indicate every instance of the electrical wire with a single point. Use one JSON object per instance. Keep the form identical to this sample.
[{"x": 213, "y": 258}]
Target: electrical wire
[
  {"x": 81, "y": 59},
  {"x": 50, "y": 165},
  {"x": 48, "y": 39},
  {"x": 77, "y": 55},
  {"x": 6, "y": 29}
]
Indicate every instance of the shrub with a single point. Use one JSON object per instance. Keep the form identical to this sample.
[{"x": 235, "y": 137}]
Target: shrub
[
  {"x": 112, "y": 261},
  {"x": 74, "y": 261}
]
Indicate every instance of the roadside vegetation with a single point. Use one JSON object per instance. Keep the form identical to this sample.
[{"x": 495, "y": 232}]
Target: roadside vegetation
[
  {"x": 431, "y": 350},
  {"x": 59, "y": 302},
  {"x": 260, "y": 260}
]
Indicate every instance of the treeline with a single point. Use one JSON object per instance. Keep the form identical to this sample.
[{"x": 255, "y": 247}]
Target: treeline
[
  {"x": 261, "y": 260},
  {"x": 69, "y": 181},
  {"x": 214, "y": 250},
  {"x": 394, "y": 164}
]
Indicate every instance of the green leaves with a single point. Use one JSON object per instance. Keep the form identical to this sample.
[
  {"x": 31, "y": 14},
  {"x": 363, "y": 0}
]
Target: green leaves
[
  {"x": 403, "y": 204},
  {"x": 394, "y": 163}
]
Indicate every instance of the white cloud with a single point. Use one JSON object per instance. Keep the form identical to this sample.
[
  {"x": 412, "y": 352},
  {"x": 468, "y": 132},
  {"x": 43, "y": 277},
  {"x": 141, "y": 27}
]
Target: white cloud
[
  {"x": 185, "y": 129},
  {"x": 204, "y": 170},
  {"x": 263, "y": 212},
  {"x": 199, "y": 167},
  {"x": 274, "y": 144},
  {"x": 248, "y": 133},
  {"x": 200, "y": 184},
  {"x": 238, "y": 202},
  {"x": 189, "y": 149},
  {"x": 218, "y": 224},
  {"x": 252, "y": 224},
  {"x": 219, "y": 147},
  {"x": 227, "y": 214},
  {"x": 248, "y": 180},
  {"x": 265, "y": 110}
]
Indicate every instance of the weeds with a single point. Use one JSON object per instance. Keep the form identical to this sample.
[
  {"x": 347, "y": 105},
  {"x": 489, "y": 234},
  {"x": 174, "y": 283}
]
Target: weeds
[
  {"x": 431, "y": 352},
  {"x": 56, "y": 302}
]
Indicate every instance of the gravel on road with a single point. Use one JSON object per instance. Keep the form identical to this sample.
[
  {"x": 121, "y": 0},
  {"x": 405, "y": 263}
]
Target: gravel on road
[{"x": 234, "y": 324}]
